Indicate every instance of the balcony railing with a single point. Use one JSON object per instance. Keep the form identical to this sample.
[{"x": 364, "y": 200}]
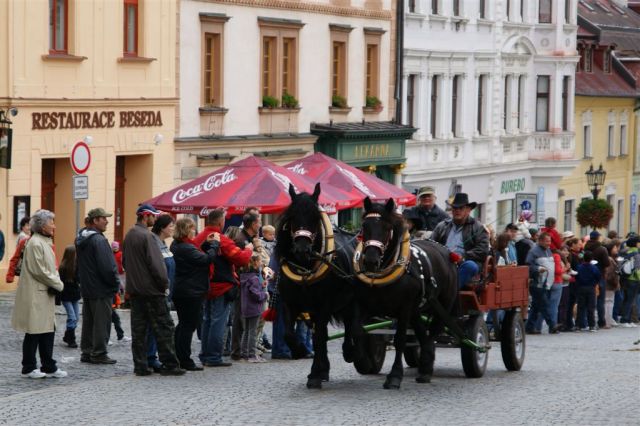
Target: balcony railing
[{"x": 552, "y": 146}]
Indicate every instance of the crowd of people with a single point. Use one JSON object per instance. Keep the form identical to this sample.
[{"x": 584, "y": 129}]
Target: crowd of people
[{"x": 221, "y": 280}]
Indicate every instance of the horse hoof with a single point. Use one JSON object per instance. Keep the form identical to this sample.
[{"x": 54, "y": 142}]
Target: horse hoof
[
  {"x": 314, "y": 383},
  {"x": 392, "y": 383},
  {"x": 423, "y": 378}
]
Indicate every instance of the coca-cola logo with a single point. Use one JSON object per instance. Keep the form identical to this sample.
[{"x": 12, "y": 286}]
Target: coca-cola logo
[
  {"x": 213, "y": 181},
  {"x": 298, "y": 169},
  {"x": 284, "y": 180}
]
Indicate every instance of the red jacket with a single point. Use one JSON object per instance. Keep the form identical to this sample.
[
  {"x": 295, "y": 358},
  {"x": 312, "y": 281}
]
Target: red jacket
[
  {"x": 556, "y": 240},
  {"x": 118, "y": 256},
  {"x": 558, "y": 270},
  {"x": 232, "y": 256},
  {"x": 15, "y": 259}
]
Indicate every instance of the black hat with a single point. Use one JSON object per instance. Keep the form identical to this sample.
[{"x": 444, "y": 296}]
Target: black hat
[{"x": 462, "y": 200}]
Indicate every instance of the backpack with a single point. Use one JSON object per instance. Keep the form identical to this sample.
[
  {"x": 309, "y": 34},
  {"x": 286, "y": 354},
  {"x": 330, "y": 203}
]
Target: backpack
[{"x": 628, "y": 266}]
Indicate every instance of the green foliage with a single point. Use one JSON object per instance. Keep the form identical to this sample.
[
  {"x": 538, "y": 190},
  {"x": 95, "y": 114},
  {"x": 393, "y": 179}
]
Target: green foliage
[
  {"x": 338, "y": 101},
  {"x": 372, "y": 102},
  {"x": 594, "y": 213},
  {"x": 270, "y": 102},
  {"x": 289, "y": 101}
]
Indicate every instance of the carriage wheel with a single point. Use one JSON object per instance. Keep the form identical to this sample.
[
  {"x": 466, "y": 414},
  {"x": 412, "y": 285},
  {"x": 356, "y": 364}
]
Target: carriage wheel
[
  {"x": 376, "y": 350},
  {"x": 513, "y": 342},
  {"x": 412, "y": 352},
  {"x": 474, "y": 363}
]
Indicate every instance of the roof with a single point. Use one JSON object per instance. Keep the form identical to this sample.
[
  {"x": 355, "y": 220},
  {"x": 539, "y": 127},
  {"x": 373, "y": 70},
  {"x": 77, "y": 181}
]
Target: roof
[
  {"x": 612, "y": 23},
  {"x": 599, "y": 83},
  {"x": 362, "y": 127}
]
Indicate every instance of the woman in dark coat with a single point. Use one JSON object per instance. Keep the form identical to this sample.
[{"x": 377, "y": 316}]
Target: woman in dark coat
[{"x": 191, "y": 285}]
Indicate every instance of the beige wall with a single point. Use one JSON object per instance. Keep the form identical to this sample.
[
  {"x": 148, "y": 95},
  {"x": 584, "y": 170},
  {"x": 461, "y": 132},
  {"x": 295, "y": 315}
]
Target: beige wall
[{"x": 96, "y": 80}]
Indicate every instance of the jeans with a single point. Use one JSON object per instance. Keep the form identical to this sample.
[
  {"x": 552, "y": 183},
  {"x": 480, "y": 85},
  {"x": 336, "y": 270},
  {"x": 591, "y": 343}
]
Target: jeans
[
  {"x": 617, "y": 304},
  {"x": 152, "y": 350},
  {"x": 466, "y": 271},
  {"x": 249, "y": 335},
  {"x": 189, "y": 317},
  {"x": 42, "y": 343},
  {"x": 216, "y": 314},
  {"x": 586, "y": 303},
  {"x": 279, "y": 348},
  {"x": 237, "y": 329},
  {"x": 552, "y": 301},
  {"x": 630, "y": 295},
  {"x": 539, "y": 306},
  {"x": 117, "y": 324},
  {"x": 600, "y": 303},
  {"x": 152, "y": 312},
  {"x": 73, "y": 314}
]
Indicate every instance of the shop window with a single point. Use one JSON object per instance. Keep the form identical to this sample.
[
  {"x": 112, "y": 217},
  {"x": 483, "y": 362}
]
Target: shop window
[
  {"x": 212, "y": 60},
  {"x": 568, "y": 215},
  {"x": 279, "y": 64},
  {"x": 586, "y": 141},
  {"x": 611, "y": 147},
  {"x": 58, "y": 26},
  {"x": 542, "y": 103},
  {"x": 565, "y": 103},
  {"x": 624, "y": 150},
  {"x": 544, "y": 11},
  {"x": 130, "y": 27},
  {"x": 505, "y": 214}
]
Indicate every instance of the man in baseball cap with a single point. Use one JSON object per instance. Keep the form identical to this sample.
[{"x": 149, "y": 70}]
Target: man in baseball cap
[
  {"x": 98, "y": 212},
  {"x": 147, "y": 210},
  {"x": 427, "y": 210}
]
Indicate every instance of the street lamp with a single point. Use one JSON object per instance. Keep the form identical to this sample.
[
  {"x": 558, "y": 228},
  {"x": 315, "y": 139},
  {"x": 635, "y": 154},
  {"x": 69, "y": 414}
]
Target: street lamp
[{"x": 595, "y": 178}]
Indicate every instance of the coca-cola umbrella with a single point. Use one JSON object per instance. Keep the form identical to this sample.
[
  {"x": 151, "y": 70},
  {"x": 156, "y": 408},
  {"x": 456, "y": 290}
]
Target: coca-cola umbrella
[
  {"x": 327, "y": 170},
  {"x": 252, "y": 181}
]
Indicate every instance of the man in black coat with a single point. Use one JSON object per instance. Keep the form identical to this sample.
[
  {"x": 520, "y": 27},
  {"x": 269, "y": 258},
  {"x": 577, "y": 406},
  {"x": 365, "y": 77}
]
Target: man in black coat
[
  {"x": 427, "y": 210},
  {"x": 601, "y": 254},
  {"x": 99, "y": 282}
]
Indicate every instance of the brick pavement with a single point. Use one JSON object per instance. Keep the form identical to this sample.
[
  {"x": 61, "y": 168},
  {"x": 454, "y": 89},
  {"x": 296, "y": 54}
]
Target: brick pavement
[{"x": 570, "y": 379}]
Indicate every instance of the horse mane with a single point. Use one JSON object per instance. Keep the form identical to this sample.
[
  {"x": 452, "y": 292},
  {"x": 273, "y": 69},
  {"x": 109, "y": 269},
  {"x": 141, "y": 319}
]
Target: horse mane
[{"x": 302, "y": 207}]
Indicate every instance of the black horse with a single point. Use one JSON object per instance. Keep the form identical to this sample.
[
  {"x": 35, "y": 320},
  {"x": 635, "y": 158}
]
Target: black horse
[
  {"x": 313, "y": 280},
  {"x": 402, "y": 282}
]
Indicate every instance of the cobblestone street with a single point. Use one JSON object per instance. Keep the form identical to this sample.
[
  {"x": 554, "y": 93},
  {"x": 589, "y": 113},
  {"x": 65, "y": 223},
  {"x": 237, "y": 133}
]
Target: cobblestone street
[{"x": 571, "y": 378}]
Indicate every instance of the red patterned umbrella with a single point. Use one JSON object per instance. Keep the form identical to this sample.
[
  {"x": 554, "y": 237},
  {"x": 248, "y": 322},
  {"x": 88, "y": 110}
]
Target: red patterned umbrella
[
  {"x": 327, "y": 170},
  {"x": 252, "y": 181}
]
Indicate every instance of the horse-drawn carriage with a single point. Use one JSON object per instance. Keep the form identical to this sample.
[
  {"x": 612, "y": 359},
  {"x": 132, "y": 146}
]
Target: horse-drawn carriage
[{"x": 405, "y": 284}]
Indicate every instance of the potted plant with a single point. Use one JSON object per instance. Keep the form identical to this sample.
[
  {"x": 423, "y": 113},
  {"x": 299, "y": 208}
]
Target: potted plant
[
  {"x": 594, "y": 213},
  {"x": 373, "y": 102},
  {"x": 289, "y": 101},
  {"x": 338, "y": 101},
  {"x": 270, "y": 102}
]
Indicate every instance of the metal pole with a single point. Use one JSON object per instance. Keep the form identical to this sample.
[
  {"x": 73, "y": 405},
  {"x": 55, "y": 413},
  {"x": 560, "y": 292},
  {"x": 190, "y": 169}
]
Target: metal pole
[{"x": 77, "y": 216}]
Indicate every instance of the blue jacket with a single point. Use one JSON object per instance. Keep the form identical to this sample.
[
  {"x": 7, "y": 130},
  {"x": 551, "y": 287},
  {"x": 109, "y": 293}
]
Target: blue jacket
[{"x": 588, "y": 275}]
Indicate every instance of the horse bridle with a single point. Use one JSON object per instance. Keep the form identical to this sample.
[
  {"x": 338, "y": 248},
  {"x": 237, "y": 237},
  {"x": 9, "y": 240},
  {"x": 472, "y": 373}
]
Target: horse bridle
[
  {"x": 376, "y": 243},
  {"x": 303, "y": 233}
]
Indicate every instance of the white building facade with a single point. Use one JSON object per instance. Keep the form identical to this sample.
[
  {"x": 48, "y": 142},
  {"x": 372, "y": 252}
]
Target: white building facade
[{"x": 490, "y": 87}]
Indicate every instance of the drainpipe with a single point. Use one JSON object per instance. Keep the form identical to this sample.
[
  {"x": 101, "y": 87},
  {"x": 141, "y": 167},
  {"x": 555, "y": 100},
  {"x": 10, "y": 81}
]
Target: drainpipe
[{"x": 399, "y": 60}]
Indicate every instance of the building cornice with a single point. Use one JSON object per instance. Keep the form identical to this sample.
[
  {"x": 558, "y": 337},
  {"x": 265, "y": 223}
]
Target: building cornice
[
  {"x": 325, "y": 9},
  {"x": 88, "y": 102}
]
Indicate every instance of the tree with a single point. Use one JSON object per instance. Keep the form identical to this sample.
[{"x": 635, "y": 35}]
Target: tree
[{"x": 594, "y": 213}]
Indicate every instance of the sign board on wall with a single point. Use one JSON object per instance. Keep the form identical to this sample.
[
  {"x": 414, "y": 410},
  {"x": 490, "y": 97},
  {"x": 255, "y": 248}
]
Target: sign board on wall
[
  {"x": 80, "y": 187},
  {"x": 526, "y": 201}
]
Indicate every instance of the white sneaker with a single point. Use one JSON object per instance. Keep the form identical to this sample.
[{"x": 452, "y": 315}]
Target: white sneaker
[
  {"x": 626, "y": 325},
  {"x": 125, "y": 339},
  {"x": 35, "y": 374},
  {"x": 633, "y": 324},
  {"x": 110, "y": 342},
  {"x": 58, "y": 374},
  {"x": 614, "y": 323}
]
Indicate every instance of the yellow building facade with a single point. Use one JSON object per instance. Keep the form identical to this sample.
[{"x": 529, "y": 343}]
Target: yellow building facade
[
  {"x": 596, "y": 118},
  {"x": 102, "y": 72}
]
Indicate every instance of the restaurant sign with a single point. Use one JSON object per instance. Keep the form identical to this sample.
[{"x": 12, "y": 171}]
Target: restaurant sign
[{"x": 94, "y": 120}]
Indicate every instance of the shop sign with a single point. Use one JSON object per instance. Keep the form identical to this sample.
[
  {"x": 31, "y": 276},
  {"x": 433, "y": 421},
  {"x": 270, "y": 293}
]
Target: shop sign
[
  {"x": 94, "y": 120},
  {"x": 512, "y": 185},
  {"x": 371, "y": 151}
]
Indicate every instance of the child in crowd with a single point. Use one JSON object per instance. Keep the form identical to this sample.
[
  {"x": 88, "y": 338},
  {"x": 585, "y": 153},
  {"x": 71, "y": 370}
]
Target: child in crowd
[
  {"x": 70, "y": 295},
  {"x": 269, "y": 239},
  {"x": 117, "y": 254},
  {"x": 252, "y": 298},
  {"x": 586, "y": 281},
  {"x": 117, "y": 300}
]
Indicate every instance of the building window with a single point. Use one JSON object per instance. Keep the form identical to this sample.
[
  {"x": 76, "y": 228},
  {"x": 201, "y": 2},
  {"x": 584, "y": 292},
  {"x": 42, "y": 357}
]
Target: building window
[
  {"x": 542, "y": 103},
  {"x": 456, "y": 7},
  {"x": 483, "y": 9},
  {"x": 584, "y": 230},
  {"x": 480, "y": 106},
  {"x": 588, "y": 59},
  {"x": 58, "y": 26},
  {"x": 212, "y": 59},
  {"x": 568, "y": 215},
  {"x": 455, "y": 104},
  {"x": 586, "y": 141},
  {"x": 338, "y": 69},
  {"x": 212, "y": 71},
  {"x": 620, "y": 216},
  {"x": 505, "y": 213},
  {"x": 544, "y": 11},
  {"x": 412, "y": 6},
  {"x": 279, "y": 65},
  {"x": 372, "y": 69},
  {"x": 508, "y": 11},
  {"x": 565, "y": 103},
  {"x": 567, "y": 11},
  {"x": 520, "y": 102},
  {"x": 624, "y": 150},
  {"x": 434, "y": 7},
  {"x": 435, "y": 83},
  {"x": 611, "y": 148},
  {"x": 521, "y": 10},
  {"x": 411, "y": 95},
  {"x": 606, "y": 61},
  {"x": 130, "y": 27},
  {"x": 505, "y": 109}
]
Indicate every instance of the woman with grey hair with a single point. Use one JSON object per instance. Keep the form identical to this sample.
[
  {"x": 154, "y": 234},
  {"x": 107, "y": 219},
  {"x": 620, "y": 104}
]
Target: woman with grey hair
[{"x": 34, "y": 310}]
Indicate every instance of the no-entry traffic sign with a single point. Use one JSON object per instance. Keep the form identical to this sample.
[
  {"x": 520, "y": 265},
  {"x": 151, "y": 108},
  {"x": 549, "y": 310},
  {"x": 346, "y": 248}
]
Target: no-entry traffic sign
[{"x": 80, "y": 158}]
